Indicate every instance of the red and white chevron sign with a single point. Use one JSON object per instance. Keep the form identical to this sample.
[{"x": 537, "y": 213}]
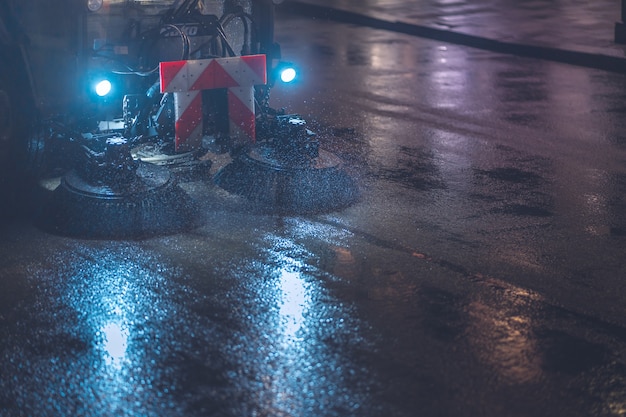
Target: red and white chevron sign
[{"x": 186, "y": 79}]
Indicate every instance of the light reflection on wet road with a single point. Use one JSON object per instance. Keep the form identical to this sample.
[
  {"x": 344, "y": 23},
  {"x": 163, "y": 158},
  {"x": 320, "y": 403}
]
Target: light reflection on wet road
[
  {"x": 480, "y": 274},
  {"x": 114, "y": 331}
]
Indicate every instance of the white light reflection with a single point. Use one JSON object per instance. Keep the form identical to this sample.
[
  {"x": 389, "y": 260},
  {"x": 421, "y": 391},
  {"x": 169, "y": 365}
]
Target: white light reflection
[
  {"x": 295, "y": 303},
  {"x": 301, "y": 373},
  {"x": 385, "y": 58},
  {"x": 447, "y": 84},
  {"x": 114, "y": 331},
  {"x": 595, "y": 202},
  {"x": 115, "y": 344}
]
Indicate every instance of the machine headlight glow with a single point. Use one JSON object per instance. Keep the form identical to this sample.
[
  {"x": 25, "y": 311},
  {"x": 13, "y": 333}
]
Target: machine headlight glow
[
  {"x": 288, "y": 74},
  {"x": 103, "y": 88},
  {"x": 94, "y": 5},
  {"x": 284, "y": 72}
]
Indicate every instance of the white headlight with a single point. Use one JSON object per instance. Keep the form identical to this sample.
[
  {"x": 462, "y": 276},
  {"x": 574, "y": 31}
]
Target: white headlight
[
  {"x": 103, "y": 88},
  {"x": 287, "y": 75},
  {"x": 94, "y": 5}
]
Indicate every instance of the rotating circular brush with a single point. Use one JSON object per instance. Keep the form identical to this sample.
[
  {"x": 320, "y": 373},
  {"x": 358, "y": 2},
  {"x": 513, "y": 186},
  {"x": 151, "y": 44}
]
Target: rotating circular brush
[
  {"x": 117, "y": 198},
  {"x": 313, "y": 185}
]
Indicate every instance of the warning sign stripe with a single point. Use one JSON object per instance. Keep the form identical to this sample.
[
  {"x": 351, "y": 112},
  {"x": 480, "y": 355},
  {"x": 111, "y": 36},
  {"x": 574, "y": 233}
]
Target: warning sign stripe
[{"x": 238, "y": 74}]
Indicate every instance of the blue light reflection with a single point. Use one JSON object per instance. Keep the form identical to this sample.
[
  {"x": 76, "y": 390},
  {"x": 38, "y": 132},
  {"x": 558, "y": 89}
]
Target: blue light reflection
[
  {"x": 115, "y": 343},
  {"x": 293, "y": 334},
  {"x": 295, "y": 302},
  {"x": 118, "y": 324}
]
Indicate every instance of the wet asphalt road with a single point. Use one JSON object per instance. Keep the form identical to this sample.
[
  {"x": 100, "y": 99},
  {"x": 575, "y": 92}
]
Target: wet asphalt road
[{"x": 480, "y": 274}]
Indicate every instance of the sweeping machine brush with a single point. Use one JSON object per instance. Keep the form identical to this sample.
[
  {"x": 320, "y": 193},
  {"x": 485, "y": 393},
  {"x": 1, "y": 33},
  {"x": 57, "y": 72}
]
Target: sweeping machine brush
[
  {"x": 316, "y": 185},
  {"x": 149, "y": 204}
]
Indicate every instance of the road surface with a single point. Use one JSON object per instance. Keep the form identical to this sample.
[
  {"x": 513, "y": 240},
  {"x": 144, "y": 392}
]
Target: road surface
[{"x": 481, "y": 273}]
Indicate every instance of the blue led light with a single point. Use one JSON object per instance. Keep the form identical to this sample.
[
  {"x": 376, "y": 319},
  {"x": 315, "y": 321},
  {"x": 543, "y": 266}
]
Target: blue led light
[
  {"x": 103, "y": 88},
  {"x": 288, "y": 74}
]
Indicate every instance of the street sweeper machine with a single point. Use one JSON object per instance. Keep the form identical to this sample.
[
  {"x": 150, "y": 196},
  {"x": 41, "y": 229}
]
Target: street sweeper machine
[{"x": 120, "y": 99}]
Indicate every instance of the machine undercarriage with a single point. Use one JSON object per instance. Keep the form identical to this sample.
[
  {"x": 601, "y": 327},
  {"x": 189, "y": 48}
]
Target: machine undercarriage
[{"x": 102, "y": 114}]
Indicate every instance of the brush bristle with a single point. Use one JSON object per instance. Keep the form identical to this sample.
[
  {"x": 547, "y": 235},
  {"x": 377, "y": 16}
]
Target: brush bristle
[
  {"x": 288, "y": 189},
  {"x": 148, "y": 211}
]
